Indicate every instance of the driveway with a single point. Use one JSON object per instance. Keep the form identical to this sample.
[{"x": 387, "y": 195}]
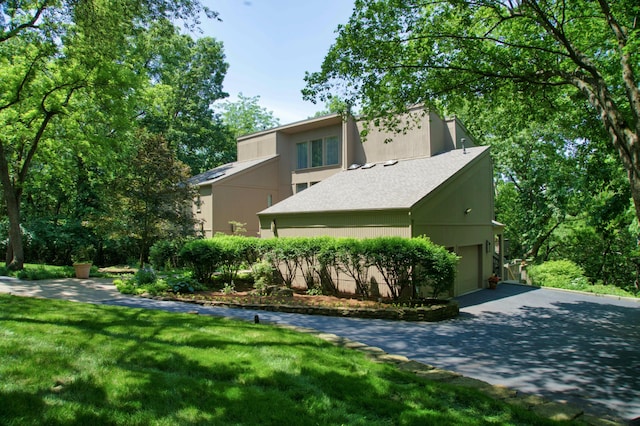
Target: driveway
[{"x": 565, "y": 346}]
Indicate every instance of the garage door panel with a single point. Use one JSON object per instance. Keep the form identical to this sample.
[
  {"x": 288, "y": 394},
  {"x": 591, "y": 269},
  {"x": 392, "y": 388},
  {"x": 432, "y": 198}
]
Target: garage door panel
[{"x": 467, "y": 279}]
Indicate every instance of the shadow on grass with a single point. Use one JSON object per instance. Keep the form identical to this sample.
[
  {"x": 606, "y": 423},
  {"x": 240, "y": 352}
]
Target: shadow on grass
[{"x": 109, "y": 365}]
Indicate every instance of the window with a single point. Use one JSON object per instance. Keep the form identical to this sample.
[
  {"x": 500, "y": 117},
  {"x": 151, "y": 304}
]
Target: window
[
  {"x": 318, "y": 152},
  {"x": 333, "y": 150},
  {"x": 301, "y": 187},
  {"x": 302, "y": 155}
]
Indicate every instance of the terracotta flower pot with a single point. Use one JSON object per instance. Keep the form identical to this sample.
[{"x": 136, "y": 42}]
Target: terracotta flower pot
[{"x": 82, "y": 270}]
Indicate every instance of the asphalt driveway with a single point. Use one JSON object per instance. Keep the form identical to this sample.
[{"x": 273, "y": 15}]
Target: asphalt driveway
[{"x": 565, "y": 346}]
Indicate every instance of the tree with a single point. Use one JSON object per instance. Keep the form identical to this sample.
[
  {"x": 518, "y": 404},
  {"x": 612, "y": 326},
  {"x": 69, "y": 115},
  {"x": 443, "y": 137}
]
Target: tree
[
  {"x": 333, "y": 106},
  {"x": 392, "y": 54},
  {"x": 186, "y": 80},
  {"x": 55, "y": 60},
  {"x": 155, "y": 197},
  {"x": 247, "y": 116}
]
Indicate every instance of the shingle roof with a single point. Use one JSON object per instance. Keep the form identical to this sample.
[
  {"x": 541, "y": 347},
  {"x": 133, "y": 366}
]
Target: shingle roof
[
  {"x": 380, "y": 187},
  {"x": 225, "y": 171}
]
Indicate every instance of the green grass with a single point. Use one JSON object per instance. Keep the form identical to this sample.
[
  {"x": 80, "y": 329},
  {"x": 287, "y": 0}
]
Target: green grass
[
  {"x": 611, "y": 290},
  {"x": 34, "y": 271},
  {"x": 71, "y": 363},
  {"x": 39, "y": 272},
  {"x": 565, "y": 274}
]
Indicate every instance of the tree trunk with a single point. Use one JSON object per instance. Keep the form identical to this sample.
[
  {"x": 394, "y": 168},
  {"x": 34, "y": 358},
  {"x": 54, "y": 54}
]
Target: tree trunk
[
  {"x": 11, "y": 195},
  {"x": 634, "y": 181},
  {"x": 537, "y": 244},
  {"x": 15, "y": 249}
]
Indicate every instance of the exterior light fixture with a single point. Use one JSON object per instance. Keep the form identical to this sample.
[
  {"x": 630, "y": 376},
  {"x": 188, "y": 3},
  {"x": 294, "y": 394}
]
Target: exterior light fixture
[{"x": 467, "y": 210}]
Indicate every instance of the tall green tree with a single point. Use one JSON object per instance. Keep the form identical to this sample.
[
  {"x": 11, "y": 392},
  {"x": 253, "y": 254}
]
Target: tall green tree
[
  {"x": 186, "y": 79},
  {"x": 394, "y": 53},
  {"x": 247, "y": 116},
  {"x": 155, "y": 197},
  {"x": 56, "y": 58}
]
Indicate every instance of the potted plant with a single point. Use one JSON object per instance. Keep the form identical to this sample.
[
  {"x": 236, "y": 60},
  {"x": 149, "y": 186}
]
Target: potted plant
[
  {"x": 493, "y": 281},
  {"x": 82, "y": 260}
]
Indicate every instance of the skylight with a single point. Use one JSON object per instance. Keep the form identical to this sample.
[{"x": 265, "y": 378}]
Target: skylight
[
  {"x": 390, "y": 163},
  {"x": 217, "y": 175},
  {"x": 354, "y": 166},
  {"x": 368, "y": 165}
]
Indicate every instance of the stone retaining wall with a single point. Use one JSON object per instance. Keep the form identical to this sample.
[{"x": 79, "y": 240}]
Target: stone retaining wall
[{"x": 438, "y": 312}]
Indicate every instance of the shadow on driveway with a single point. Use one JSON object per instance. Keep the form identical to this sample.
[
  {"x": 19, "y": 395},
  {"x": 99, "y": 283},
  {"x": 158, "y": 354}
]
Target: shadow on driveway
[{"x": 501, "y": 292}]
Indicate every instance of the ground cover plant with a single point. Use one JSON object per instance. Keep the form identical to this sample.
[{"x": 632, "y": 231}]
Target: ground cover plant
[
  {"x": 567, "y": 275},
  {"x": 70, "y": 363}
]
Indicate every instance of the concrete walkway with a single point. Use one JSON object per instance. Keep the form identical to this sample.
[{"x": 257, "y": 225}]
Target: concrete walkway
[{"x": 565, "y": 346}]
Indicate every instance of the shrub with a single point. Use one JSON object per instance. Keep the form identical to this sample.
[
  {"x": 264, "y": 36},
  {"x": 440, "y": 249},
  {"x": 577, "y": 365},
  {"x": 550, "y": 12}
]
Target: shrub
[
  {"x": 182, "y": 284},
  {"x": 145, "y": 276},
  {"x": 227, "y": 253},
  {"x": 284, "y": 256},
  {"x": 560, "y": 274},
  {"x": 352, "y": 259},
  {"x": 394, "y": 259},
  {"x": 328, "y": 265},
  {"x": 234, "y": 251},
  {"x": 434, "y": 266},
  {"x": 262, "y": 276},
  {"x": 203, "y": 257},
  {"x": 132, "y": 286},
  {"x": 164, "y": 254}
]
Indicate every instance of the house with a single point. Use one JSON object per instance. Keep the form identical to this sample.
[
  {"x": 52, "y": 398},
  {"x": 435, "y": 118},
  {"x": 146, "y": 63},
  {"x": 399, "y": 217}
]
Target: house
[{"x": 318, "y": 177}]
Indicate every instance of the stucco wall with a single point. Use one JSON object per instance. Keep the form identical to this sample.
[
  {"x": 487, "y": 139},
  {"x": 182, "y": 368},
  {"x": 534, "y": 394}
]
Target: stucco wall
[
  {"x": 381, "y": 145},
  {"x": 262, "y": 145},
  {"x": 347, "y": 224},
  {"x": 238, "y": 198},
  {"x": 443, "y": 218},
  {"x": 312, "y": 174}
]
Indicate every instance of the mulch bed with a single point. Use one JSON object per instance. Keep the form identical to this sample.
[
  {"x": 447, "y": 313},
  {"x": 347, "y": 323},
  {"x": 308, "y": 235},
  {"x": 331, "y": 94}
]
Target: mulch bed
[{"x": 427, "y": 310}]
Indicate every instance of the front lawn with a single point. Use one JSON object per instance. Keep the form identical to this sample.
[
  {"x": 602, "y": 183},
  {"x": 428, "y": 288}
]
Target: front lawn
[{"x": 71, "y": 363}]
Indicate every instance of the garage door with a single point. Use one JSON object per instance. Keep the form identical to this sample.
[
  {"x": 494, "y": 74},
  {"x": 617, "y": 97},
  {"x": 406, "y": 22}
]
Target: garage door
[{"x": 468, "y": 278}]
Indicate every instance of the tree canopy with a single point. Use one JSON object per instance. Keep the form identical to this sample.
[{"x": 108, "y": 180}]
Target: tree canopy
[
  {"x": 70, "y": 73},
  {"x": 186, "y": 77},
  {"x": 247, "y": 116},
  {"x": 560, "y": 55}
]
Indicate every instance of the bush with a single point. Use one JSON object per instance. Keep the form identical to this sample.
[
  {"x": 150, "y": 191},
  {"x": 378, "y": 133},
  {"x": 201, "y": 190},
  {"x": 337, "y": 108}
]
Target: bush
[
  {"x": 559, "y": 274},
  {"x": 394, "y": 259},
  {"x": 145, "y": 276},
  {"x": 234, "y": 252},
  {"x": 352, "y": 259},
  {"x": 182, "y": 284},
  {"x": 434, "y": 267},
  {"x": 262, "y": 276},
  {"x": 405, "y": 264},
  {"x": 164, "y": 254},
  {"x": 227, "y": 253},
  {"x": 284, "y": 256},
  {"x": 203, "y": 257},
  {"x": 132, "y": 286}
]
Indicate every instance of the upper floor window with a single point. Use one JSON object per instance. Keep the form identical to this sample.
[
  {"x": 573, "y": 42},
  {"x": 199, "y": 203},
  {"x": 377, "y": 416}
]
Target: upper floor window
[
  {"x": 318, "y": 152},
  {"x": 301, "y": 187}
]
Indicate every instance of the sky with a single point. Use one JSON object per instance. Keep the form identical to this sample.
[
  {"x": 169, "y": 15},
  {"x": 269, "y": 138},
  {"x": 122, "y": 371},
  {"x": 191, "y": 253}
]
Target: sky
[{"x": 269, "y": 44}]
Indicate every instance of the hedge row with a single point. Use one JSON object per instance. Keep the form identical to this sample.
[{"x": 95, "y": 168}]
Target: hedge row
[{"x": 404, "y": 264}]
